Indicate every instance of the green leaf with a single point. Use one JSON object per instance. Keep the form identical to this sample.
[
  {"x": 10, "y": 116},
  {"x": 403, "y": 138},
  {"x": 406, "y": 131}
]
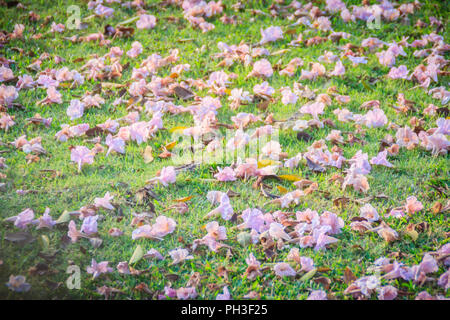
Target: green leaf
[
  {"x": 137, "y": 255},
  {"x": 64, "y": 217},
  {"x": 308, "y": 275}
]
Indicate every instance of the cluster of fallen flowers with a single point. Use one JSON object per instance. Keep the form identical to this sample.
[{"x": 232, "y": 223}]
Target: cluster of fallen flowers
[{"x": 151, "y": 95}]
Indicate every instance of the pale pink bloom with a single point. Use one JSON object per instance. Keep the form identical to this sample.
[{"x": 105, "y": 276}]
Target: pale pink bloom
[
  {"x": 272, "y": 150},
  {"x": 369, "y": 212},
  {"x": 225, "y": 295},
  {"x": 437, "y": 142},
  {"x": 153, "y": 253},
  {"x": 146, "y": 21},
  {"x": 375, "y": 118},
  {"x": 136, "y": 49},
  {"x": 264, "y": 90},
  {"x": 104, "y": 202},
  {"x": 357, "y": 181},
  {"x": 381, "y": 160},
  {"x": 357, "y": 60},
  {"x": 428, "y": 264},
  {"x": 276, "y": 231},
  {"x": 179, "y": 255},
  {"x": 224, "y": 209},
  {"x": 45, "y": 221},
  {"x": 271, "y": 34},
  {"x": 335, "y": 137},
  {"x": 166, "y": 176},
  {"x": 89, "y": 226},
  {"x": 123, "y": 267},
  {"x": 444, "y": 280},
  {"x": 73, "y": 233},
  {"x": 7, "y": 95},
  {"x": 332, "y": 220},
  {"x": 163, "y": 226},
  {"x": 339, "y": 69},
  {"x": 407, "y": 138},
  {"x": 313, "y": 108},
  {"x": 291, "y": 67},
  {"x": 6, "y": 121},
  {"x": 359, "y": 163},
  {"x": 115, "y": 232},
  {"x": 17, "y": 32},
  {"x": 5, "y": 74},
  {"x": 239, "y": 140},
  {"x": 57, "y": 27},
  {"x": 225, "y": 174},
  {"x": 396, "y": 213},
  {"x": 293, "y": 162},
  {"x": 81, "y": 155},
  {"x": 18, "y": 284},
  {"x": 186, "y": 293},
  {"x": 398, "y": 73},
  {"x": 103, "y": 11},
  {"x": 242, "y": 119},
  {"x": 96, "y": 269},
  {"x": 109, "y": 125},
  {"x": 288, "y": 97},
  {"x": 255, "y": 220},
  {"x": 93, "y": 101},
  {"x": 283, "y": 269},
  {"x": 335, "y": 5},
  {"x": 75, "y": 109},
  {"x": 262, "y": 68},
  {"x": 25, "y": 82},
  {"x": 115, "y": 144},
  {"x": 413, "y": 205},
  {"x": 23, "y": 219},
  {"x": 317, "y": 295},
  {"x": 215, "y": 231},
  {"x": 53, "y": 96},
  {"x": 387, "y": 293}
]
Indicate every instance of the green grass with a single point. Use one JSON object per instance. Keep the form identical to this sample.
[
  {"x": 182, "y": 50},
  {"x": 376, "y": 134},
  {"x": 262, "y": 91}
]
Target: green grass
[{"x": 123, "y": 175}]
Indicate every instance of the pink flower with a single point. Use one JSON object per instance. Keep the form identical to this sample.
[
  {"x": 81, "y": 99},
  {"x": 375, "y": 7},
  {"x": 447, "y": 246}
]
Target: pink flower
[
  {"x": 103, "y": 11},
  {"x": 398, "y": 73},
  {"x": 123, "y": 268},
  {"x": 283, "y": 269},
  {"x": 313, "y": 108},
  {"x": 73, "y": 233},
  {"x": 89, "y": 226},
  {"x": 339, "y": 69},
  {"x": 75, "y": 109},
  {"x": 7, "y": 95},
  {"x": 186, "y": 293},
  {"x": 413, "y": 205},
  {"x": 46, "y": 220},
  {"x": 264, "y": 90},
  {"x": 96, "y": 269},
  {"x": 317, "y": 295},
  {"x": 153, "y": 253},
  {"x": 375, "y": 118},
  {"x": 23, "y": 219},
  {"x": 407, "y": 138},
  {"x": 381, "y": 160},
  {"x": 387, "y": 293},
  {"x": 18, "y": 284},
  {"x": 225, "y": 174},
  {"x": 6, "y": 121},
  {"x": 179, "y": 255},
  {"x": 136, "y": 49},
  {"x": 53, "y": 96},
  {"x": 262, "y": 68},
  {"x": 444, "y": 280},
  {"x": 115, "y": 144},
  {"x": 288, "y": 97},
  {"x": 146, "y": 21},
  {"x": 163, "y": 226},
  {"x": 271, "y": 34},
  {"x": 166, "y": 176},
  {"x": 276, "y": 231},
  {"x": 104, "y": 202},
  {"x": 369, "y": 212}
]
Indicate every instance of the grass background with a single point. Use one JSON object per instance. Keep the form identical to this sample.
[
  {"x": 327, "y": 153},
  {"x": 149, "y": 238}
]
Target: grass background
[{"x": 123, "y": 175}]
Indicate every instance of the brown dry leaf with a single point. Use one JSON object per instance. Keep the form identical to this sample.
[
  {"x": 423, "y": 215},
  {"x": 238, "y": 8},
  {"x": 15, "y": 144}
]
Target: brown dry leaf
[
  {"x": 183, "y": 93},
  {"x": 148, "y": 157},
  {"x": 183, "y": 199},
  {"x": 165, "y": 154},
  {"x": 349, "y": 277}
]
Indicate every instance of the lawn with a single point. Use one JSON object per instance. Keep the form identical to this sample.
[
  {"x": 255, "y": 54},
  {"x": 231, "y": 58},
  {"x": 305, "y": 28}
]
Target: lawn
[{"x": 48, "y": 178}]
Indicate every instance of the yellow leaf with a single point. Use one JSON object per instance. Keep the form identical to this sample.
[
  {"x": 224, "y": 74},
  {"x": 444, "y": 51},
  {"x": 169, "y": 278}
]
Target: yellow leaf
[
  {"x": 413, "y": 234},
  {"x": 290, "y": 177},
  {"x": 282, "y": 189},
  {"x": 183, "y": 199},
  {"x": 178, "y": 129},
  {"x": 267, "y": 162},
  {"x": 148, "y": 157},
  {"x": 137, "y": 255},
  {"x": 171, "y": 145}
]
